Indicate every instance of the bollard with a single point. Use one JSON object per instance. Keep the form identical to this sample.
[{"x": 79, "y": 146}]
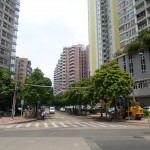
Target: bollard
[{"x": 148, "y": 119}]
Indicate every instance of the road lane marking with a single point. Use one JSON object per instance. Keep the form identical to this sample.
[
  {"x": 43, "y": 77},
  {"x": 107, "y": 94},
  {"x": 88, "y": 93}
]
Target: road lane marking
[
  {"x": 37, "y": 125},
  {"x": 72, "y": 124},
  {"x": 81, "y": 124},
  {"x": 100, "y": 125},
  {"x": 45, "y": 125},
  {"x": 10, "y": 126},
  {"x": 28, "y": 125},
  {"x": 19, "y": 125},
  {"x": 64, "y": 125},
  {"x": 121, "y": 125},
  {"x": 89, "y": 124},
  {"x": 54, "y": 125}
]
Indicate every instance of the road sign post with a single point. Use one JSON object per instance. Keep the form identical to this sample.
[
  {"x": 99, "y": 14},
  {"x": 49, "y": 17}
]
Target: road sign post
[{"x": 22, "y": 103}]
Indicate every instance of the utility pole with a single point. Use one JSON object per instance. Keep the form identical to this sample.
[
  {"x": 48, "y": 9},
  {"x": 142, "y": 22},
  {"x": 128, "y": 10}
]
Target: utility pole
[{"x": 14, "y": 103}]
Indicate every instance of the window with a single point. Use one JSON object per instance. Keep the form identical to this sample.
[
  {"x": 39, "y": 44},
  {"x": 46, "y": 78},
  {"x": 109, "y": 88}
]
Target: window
[
  {"x": 124, "y": 63},
  {"x": 143, "y": 65},
  {"x": 131, "y": 64}
]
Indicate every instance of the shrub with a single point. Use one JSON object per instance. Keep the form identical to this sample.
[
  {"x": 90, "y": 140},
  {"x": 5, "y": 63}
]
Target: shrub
[{"x": 145, "y": 111}]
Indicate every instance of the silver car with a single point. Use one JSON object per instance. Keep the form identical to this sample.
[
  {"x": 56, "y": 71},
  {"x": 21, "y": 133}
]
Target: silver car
[{"x": 52, "y": 110}]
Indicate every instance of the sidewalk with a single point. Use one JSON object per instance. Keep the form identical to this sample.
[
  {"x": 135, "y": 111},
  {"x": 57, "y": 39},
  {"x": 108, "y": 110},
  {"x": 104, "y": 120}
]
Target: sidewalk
[
  {"x": 17, "y": 119},
  {"x": 104, "y": 118}
]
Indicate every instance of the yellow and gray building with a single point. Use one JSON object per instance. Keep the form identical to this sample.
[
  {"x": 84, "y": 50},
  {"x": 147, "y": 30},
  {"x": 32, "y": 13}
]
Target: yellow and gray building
[{"x": 103, "y": 32}]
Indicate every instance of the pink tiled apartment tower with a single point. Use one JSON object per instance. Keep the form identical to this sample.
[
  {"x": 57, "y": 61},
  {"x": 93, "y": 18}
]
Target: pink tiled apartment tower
[{"x": 72, "y": 66}]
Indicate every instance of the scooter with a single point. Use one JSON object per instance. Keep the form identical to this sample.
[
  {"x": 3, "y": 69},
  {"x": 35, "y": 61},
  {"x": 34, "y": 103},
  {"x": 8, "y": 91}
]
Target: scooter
[{"x": 43, "y": 114}]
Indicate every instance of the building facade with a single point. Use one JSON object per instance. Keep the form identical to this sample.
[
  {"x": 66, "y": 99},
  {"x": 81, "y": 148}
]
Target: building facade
[
  {"x": 9, "y": 14},
  {"x": 103, "y": 32},
  {"x": 133, "y": 16},
  {"x": 137, "y": 64},
  {"x": 22, "y": 69},
  {"x": 72, "y": 66}
]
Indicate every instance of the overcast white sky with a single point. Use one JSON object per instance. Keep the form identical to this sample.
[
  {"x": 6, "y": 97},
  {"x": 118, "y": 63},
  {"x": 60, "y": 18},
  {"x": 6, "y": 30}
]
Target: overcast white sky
[{"x": 46, "y": 26}]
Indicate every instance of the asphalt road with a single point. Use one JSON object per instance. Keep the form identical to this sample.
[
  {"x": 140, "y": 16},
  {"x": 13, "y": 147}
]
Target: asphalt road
[{"x": 112, "y": 137}]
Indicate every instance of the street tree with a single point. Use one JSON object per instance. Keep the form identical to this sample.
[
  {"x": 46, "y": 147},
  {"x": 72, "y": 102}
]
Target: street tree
[
  {"x": 37, "y": 89},
  {"x": 7, "y": 86},
  {"x": 110, "y": 81}
]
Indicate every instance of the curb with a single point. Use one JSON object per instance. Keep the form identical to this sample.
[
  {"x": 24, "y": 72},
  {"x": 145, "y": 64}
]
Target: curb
[
  {"x": 7, "y": 122},
  {"x": 143, "y": 121}
]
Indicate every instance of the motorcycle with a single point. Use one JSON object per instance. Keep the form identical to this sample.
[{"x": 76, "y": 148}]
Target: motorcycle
[{"x": 43, "y": 114}]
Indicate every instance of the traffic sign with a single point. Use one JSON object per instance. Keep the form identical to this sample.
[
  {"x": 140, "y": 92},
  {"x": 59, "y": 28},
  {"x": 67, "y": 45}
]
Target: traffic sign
[{"x": 22, "y": 102}]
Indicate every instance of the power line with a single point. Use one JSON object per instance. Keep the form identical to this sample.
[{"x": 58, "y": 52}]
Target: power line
[{"x": 36, "y": 85}]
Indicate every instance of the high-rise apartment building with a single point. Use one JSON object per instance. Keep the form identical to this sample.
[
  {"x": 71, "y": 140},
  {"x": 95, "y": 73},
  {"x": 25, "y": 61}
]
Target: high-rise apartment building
[
  {"x": 133, "y": 16},
  {"x": 103, "y": 32},
  {"x": 22, "y": 69},
  {"x": 72, "y": 66},
  {"x": 9, "y": 14}
]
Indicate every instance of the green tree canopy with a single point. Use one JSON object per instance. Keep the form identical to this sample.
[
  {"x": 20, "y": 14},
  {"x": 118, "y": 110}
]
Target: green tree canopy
[
  {"x": 142, "y": 41},
  {"x": 38, "y": 89},
  {"x": 110, "y": 81},
  {"x": 7, "y": 86}
]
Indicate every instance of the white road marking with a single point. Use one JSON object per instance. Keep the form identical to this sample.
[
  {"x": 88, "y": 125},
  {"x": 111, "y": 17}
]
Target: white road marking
[
  {"x": 45, "y": 125},
  {"x": 54, "y": 125},
  {"x": 80, "y": 124},
  {"x": 63, "y": 124},
  {"x": 28, "y": 125},
  {"x": 37, "y": 125},
  {"x": 10, "y": 126},
  {"x": 19, "y": 125},
  {"x": 72, "y": 124},
  {"x": 100, "y": 125},
  {"x": 89, "y": 124}
]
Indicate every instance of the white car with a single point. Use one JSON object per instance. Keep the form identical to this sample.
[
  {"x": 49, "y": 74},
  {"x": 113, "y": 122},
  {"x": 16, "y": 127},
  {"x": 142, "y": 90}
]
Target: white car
[
  {"x": 52, "y": 110},
  {"x": 62, "y": 109}
]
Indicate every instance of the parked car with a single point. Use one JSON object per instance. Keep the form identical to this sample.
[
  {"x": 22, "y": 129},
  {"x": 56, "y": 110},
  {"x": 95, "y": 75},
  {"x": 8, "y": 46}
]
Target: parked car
[
  {"x": 62, "y": 109},
  {"x": 147, "y": 108},
  {"x": 52, "y": 110}
]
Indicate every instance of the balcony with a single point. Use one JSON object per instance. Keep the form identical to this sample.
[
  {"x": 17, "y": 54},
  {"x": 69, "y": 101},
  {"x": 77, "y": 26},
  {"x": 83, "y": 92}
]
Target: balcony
[
  {"x": 138, "y": 2},
  {"x": 140, "y": 9},
  {"x": 147, "y": 4}
]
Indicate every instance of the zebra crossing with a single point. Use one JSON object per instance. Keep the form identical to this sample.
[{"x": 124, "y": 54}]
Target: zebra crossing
[{"x": 61, "y": 124}]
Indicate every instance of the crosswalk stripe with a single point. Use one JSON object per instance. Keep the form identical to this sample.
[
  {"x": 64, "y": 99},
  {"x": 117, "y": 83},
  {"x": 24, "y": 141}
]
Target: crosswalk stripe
[
  {"x": 80, "y": 124},
  {"x": 28, "y": 125},
  {"x": 45, "y": 125},
  {"x": 54, "y": 125},
  {"x": 37, "y": 125},
  {"x": 121, "y": 125},
  {"x": 89, "y": 124},
  {"x": 109, "y": 125},
  {"x": 72, "y": 124},
  {"x": 63, "y": 124},
  {"x": 100, "y": 125},
  {"x": 9, "y": 126},
  {"x": 19, "y": 125}
]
